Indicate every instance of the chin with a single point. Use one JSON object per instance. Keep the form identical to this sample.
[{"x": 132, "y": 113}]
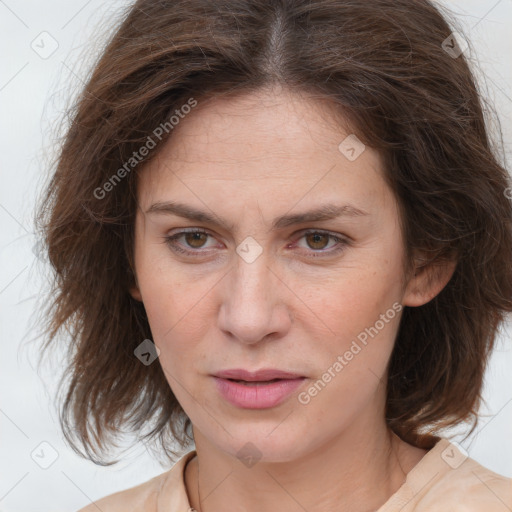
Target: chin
[{"x": 263, "y": 444}]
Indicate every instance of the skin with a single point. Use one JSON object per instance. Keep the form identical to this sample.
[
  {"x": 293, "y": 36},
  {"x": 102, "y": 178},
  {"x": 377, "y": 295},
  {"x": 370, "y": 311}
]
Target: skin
[{"x": 249, "y": 160}]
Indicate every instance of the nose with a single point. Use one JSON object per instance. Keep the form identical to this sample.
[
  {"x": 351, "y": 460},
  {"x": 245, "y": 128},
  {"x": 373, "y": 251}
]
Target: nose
[{"x": 254, "y": 303}]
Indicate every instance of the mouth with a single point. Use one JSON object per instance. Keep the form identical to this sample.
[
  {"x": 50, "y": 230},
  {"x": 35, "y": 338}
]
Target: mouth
[{"x": 262, "y": 389}]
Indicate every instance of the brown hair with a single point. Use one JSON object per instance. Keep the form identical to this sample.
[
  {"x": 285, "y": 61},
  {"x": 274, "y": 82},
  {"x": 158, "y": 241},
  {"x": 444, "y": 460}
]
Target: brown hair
[{"x": 384, "y": 65}]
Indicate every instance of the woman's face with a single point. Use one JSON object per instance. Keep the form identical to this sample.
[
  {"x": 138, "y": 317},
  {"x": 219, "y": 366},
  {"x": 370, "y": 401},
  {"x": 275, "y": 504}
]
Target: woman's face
[{"x": 256, "y": 288}]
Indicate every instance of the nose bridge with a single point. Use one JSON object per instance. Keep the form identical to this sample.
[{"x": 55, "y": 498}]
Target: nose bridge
[
  {"x": 251, "y": 278},
  {"x": 251, "y": 308}
]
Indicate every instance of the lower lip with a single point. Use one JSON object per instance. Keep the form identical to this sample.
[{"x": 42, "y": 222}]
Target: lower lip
[{"x": 259, "y": 396}]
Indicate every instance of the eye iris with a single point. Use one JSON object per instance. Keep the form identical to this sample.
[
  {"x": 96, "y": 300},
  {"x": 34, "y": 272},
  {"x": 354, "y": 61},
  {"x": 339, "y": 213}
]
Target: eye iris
[
  {"x": 193, "y": 238},
  {"x": 315, "y": 237}
]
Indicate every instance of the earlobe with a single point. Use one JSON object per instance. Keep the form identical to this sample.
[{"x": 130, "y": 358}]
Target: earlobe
[
  {"x": 427, "y": 282},
  {"x": 135, "y": 293},
  {"x": 134, "y": 289}
]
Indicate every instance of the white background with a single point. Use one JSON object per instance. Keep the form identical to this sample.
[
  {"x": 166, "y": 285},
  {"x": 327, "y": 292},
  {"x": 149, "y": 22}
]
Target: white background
[{"x": 34, "y": 93}]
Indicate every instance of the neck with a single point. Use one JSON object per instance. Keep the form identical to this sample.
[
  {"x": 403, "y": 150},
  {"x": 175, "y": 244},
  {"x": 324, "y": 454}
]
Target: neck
[{"x": 357, "y": 471}]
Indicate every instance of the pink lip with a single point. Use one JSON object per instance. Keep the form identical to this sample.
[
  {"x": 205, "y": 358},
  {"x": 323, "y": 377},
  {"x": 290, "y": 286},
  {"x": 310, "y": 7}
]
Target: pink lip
[
  {"x": 257, "y": 396},
  {"x": 259, "y": 375}
]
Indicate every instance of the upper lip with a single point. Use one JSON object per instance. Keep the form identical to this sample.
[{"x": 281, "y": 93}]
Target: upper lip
[{"x": 259, "y": 375}]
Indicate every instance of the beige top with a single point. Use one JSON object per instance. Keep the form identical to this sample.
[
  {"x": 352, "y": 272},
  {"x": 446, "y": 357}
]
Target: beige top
[{"x": 444, "y": 480}]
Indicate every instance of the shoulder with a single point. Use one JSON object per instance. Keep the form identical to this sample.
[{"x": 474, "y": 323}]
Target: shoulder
[
  {"x": 145, "y": 497},
  {"x": 140, "y": 498},
  {"x": 461, "y": 484},
  {"x": 473, "y": 487}
]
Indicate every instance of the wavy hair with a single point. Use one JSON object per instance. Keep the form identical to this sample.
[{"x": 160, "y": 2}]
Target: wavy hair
[{"x": 393, "y": 70}]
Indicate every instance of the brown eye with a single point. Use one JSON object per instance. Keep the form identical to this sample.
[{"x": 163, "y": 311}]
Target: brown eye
[
  {"x": 317, "y": 241},
  {"x": 196, "y": 239},
  {"x": 191, "y": 243},
  {"x": 320, "y": 244}
]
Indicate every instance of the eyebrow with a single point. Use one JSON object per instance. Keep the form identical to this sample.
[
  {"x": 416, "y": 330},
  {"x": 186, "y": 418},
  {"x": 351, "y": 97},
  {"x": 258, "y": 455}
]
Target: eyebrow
[{"x": 324, "y": 212}]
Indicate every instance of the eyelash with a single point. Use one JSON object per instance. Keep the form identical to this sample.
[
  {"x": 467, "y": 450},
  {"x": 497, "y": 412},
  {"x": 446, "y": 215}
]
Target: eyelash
[{"x": 342, "y": 243}]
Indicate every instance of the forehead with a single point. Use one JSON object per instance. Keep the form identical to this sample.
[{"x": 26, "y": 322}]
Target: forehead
[
  {"x": 287, "y": 124},
  {"x": 265, "y": 145}
]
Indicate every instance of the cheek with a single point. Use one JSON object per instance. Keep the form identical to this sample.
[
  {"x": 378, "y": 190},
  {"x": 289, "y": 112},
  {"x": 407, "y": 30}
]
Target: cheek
[
  {"x": 351, "y": 363},
  {"x": 354, "y": 298},
  {"x": 357, "y": 315},
  {"x": 175, "y": 313},
  {"x": 163, "y": 295},
  {"x": 179, "y": 314}
]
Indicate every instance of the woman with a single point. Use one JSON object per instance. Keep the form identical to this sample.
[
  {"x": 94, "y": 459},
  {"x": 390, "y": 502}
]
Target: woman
[{"x": 279, "y": 230}]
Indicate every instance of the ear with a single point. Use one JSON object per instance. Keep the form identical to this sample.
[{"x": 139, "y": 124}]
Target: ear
[
  {"x": 135, "y": 293},
  {"x": 427, "y": 281},
  {"x": 135, "y": 290}
]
